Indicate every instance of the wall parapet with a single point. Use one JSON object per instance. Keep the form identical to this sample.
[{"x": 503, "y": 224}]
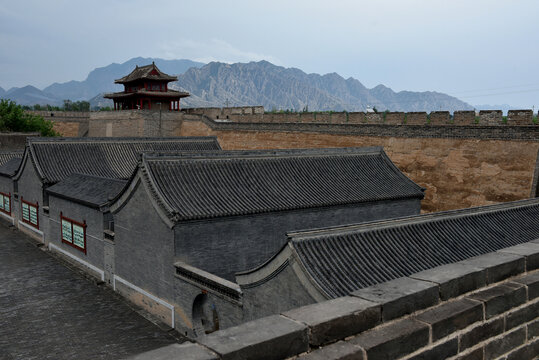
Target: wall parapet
[
  {"x": 492, "y": 310},
  {"x": 441, "y": 118},
  {"x": 485, "y": 132}
]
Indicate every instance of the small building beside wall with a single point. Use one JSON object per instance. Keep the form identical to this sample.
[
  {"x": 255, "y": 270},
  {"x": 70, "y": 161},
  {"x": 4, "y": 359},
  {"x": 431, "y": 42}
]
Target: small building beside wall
[
  {"x": 78, "y": 215},
  {"x": 187, "y": 223}
]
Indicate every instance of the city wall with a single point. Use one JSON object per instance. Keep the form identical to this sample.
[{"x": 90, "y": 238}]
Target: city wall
[
  {"x": 462, "y": 160},
  {"x": 494, "y": 316}
]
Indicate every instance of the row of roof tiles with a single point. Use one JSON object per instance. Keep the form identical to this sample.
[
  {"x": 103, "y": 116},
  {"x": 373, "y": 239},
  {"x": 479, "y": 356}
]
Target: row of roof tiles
[{"x": 347, "y": 258}]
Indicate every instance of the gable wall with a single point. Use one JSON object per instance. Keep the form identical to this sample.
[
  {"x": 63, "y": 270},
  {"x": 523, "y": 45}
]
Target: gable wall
[{"x": 144, "y": 246}]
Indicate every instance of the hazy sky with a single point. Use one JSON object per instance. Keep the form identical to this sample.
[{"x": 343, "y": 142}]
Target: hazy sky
[{"x": 484, "y": 52}]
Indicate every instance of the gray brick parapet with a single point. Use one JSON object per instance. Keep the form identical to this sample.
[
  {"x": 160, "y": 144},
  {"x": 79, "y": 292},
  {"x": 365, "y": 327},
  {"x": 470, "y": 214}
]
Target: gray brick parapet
[
  {"x": 452, "y": 316},
  {"x": 454, "y": 279},
  {"x": 489, "y": 308},
  {"x": 273, "y": 337},
  {"x": 188, "y": 351},
  {"x": 501, "y": 298},
  {"x": 401, "y": 296},
  {"x": 336, "y": 319},
  {"x": 393, "y": 340},
  {"x": 530, "y": 252},
  {"x": 338, "y": 351},
  {"x": 532, "y": 283},
  {"x": 498, "y": 265}
]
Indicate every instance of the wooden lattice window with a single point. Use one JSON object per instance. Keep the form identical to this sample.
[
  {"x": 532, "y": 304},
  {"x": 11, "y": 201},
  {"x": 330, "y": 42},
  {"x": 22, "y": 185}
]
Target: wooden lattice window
[
  {"x": 30, "y": 213},
  {"x": 73, "y": 233},
  {"x": 5, "y": 203}
]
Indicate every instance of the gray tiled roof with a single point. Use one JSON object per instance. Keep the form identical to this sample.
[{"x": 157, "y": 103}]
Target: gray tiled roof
[
  {"x": 348, "y": 258},
  {"x": 90, "y": 190},
  {"x": 228, "y": 183},
  {"x": 116, "y": 158},
  {"x": 10, "y": 167},
  {"x": 5, "y": 156}
]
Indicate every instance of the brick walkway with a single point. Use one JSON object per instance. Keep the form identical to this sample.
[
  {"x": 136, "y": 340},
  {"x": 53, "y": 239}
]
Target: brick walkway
[{"x": 48, "y": 311}]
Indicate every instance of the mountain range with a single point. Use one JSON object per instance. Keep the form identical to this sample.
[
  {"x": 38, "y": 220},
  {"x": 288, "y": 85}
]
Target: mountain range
[{"x": 239, "y": 84}]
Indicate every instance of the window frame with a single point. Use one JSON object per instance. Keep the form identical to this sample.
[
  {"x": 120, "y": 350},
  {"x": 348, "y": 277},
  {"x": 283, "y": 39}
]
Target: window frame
[
  {"x": 2, "y": 196},
  {"x": 72, "y": 242},
  {"x": 29, "y": 221}
]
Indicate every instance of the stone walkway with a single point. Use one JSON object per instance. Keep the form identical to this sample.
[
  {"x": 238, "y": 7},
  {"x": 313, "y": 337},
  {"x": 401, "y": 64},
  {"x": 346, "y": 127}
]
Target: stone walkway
[{"x": 48, "y": 311}]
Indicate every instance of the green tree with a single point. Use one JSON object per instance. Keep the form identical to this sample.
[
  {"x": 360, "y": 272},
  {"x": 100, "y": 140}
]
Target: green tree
[{"x": 13, "y": 118}]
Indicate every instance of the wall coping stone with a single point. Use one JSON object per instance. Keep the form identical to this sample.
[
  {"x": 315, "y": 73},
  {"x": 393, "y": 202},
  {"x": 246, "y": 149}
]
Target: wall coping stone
[
  {"x": 529, "y": 250},
  {"x": 338, "y": 351},
  {"x": 401, "y": 296},
  {"x": 499, "y": 265},
  {"x": 177, "y": 351},
  {"x": 454, "y": 279},
  {"x": 272, "y": 337},
  {"x": 336, "y": 319}
]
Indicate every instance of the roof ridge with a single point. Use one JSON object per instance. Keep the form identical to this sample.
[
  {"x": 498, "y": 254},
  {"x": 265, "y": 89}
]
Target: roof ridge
[
  {"x": 96, "y": 177},
  {"x": 263, "y": 153},
  {"x": 117, "y": 139},
  {"x": 298, "y": 236}
]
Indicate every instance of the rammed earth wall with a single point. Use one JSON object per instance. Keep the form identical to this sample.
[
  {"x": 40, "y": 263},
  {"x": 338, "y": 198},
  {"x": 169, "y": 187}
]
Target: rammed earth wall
[{"x": 483, "y": 308}]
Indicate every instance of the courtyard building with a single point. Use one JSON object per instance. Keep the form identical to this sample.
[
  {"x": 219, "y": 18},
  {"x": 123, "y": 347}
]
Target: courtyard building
[
  {"x": 188, "y": 222},
  {"x": 48, "y": 161}
]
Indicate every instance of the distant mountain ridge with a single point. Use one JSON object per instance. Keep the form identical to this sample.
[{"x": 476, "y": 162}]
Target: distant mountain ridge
[
  {"x": 262, "y": 83},
  {"x": 242, "y": 84},
  {"x": 101, "y": 80}
]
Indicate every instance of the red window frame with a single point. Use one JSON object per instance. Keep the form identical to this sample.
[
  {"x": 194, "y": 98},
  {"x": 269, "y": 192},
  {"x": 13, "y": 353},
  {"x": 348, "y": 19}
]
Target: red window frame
[
  {"x": 2, "y": 208},
  {"x": 29, "y": 221},
  {"x": 72, "y": 242}
]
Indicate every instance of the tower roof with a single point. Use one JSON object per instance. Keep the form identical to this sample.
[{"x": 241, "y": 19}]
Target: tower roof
[{"x": 147, "y": 72}]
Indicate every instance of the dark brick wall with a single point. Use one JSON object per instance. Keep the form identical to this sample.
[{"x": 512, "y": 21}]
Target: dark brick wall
[
  {"x": 225, "y": 246},
  {"x": 14, "y": 141},
  {"x": 228, "y": 313},
  {"x": 144, "y": 247},
  {"x": 30, "y": 189},
  {"x": 94, "y": 229},
  {"x": 277, "y": 294}
]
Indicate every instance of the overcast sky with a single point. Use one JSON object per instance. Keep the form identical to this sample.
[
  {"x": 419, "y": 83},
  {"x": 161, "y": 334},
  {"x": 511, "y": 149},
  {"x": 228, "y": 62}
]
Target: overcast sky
[{"x": 484, "y": 52}]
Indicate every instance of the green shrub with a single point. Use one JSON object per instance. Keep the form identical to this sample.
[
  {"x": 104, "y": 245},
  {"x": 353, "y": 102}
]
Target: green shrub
[{"x": 13, "y": 118}]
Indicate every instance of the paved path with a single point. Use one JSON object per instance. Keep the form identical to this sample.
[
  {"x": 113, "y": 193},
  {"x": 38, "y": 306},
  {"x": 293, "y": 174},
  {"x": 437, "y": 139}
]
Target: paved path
[{"x": 48, "y": 311}]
